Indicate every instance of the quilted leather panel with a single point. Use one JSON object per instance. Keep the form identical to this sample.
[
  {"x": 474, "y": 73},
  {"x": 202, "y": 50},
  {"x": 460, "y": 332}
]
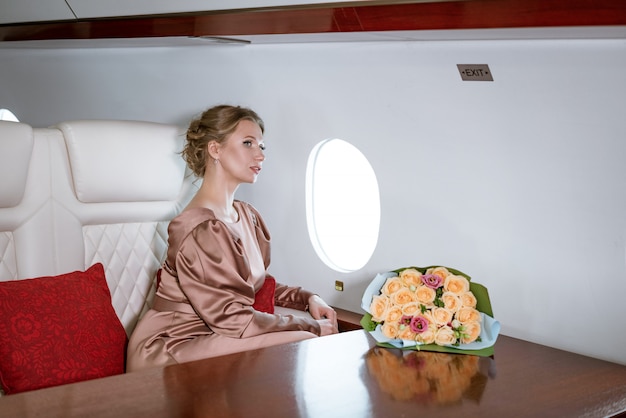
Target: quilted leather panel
[
  {"x": 8, "y": 262},
  {"x": 131, "y": 253}
]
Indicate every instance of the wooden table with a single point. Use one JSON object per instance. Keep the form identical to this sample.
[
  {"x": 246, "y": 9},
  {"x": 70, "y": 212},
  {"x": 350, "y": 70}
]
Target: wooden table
[{"x": 347, "y": 375}]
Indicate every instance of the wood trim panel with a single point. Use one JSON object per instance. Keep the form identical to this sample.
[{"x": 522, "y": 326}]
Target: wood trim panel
[
  {"x": 348, "y": 320},
  {"x": 448, "y": 15}
]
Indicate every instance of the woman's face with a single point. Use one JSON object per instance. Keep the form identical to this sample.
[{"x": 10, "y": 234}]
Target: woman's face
[{"x": 241, "y": 155}]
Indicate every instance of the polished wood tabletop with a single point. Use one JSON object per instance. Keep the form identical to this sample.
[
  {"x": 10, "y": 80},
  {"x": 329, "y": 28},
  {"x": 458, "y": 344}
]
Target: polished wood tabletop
[{"x": 347, "y": 375}]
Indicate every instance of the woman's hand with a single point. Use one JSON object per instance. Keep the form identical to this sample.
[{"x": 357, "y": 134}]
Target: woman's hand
[
  {"x": 325, "y": 315},
  {"x": 327, "y": 327}
]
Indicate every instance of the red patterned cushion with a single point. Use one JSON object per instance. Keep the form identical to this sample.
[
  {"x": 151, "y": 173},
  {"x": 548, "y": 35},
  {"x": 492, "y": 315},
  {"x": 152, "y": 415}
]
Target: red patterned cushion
[
  {"x": 264, "y": 298},
  {"x": 58, "y": 330}
]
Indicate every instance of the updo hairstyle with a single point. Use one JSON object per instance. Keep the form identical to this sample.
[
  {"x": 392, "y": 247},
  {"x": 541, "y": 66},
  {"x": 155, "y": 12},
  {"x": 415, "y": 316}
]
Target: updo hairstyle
[{"x": 215, "y": 124}]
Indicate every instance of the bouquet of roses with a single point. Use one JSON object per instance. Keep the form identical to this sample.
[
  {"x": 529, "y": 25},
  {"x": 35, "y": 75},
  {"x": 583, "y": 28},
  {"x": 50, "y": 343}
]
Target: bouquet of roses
[{"x": 432, "y": 308}]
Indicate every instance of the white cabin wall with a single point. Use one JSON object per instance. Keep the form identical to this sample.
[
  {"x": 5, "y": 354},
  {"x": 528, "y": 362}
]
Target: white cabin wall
[{"x": 517, "y": 182}]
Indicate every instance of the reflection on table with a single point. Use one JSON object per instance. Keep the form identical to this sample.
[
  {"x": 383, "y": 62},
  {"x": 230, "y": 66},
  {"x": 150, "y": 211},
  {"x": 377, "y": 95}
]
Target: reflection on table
[{"x": 428, "y": 377}]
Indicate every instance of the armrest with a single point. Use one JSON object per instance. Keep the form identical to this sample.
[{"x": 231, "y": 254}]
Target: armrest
[{"x": 348, "y": 320}]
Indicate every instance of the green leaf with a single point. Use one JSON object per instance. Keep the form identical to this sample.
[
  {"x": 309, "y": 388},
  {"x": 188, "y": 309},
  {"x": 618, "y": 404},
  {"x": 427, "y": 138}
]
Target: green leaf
[
  {"x": 367, "y": 323},
  {"x": 483, "y": 304}
]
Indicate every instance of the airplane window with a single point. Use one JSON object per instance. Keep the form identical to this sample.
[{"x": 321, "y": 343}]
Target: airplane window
[
  {"x": 342, "y": 205},
  {"x": 6, "y": 114}
]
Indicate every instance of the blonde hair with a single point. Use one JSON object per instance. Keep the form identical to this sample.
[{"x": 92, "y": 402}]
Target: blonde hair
[{"x": 215, "y": 124}]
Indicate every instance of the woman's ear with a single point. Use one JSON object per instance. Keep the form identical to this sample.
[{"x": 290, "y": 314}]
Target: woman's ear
[{"x": 213, "y": 149}]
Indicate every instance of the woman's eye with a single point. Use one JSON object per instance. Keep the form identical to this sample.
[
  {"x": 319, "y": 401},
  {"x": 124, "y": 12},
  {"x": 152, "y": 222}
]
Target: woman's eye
[{"x": 248, "y": 144}]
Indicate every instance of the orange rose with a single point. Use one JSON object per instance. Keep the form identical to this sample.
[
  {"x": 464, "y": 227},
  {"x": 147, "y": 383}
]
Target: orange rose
[
  {"x": 470, "y": 332},
  {"x": 442, "y": 316},
  {"x": 392, "y": 285},
  {"x": 468, "y": 299},
  {"x": 379, "y": 307},
  {"x": 390, "y": 329},
  {"x": 411, "y": 309},
  {"x": 406, "y": 334},
  {"x": 425, "y": 295},
  {"x": 394, "y": 314},
  {"x": 403, "y": 296},
  {"x": 456, "y": 284},
  {"x": 411, "y": 278},
  {"x": 451, "y": 301},
  {"x": 445, "y": 336},
  {"x": 467, "y": 314},
  {"x": 429, "y": 316},
  {"x": 428, "y": 336},
  {"x": 439, "y": 271}
]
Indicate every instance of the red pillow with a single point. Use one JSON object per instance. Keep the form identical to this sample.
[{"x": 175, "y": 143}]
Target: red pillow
[
  {"x": 264, "y": 298},
  {"x": 58, "y": 330}
]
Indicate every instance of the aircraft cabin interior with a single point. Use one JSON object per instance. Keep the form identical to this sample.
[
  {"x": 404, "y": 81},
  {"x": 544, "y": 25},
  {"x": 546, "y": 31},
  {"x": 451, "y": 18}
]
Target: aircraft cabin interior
[{"x": 444, "y": 176}]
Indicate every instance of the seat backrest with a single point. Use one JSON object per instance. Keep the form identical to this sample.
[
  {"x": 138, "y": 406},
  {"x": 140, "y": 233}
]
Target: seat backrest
[
  {"x": 25, "y": 203},
  {"x": 126, "y": 181},
  {"x": 95, "y": 191}
]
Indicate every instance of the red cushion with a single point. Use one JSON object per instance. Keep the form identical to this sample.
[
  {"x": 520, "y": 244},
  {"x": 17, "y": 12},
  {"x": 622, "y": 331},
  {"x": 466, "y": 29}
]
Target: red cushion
[
  {"x": 58, "y": 330},
  {"x": 264, "y": 298}
]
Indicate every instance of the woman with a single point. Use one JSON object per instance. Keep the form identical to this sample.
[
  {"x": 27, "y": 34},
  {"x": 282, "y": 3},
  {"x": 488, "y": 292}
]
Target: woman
[{"x": 217, "y": 259}]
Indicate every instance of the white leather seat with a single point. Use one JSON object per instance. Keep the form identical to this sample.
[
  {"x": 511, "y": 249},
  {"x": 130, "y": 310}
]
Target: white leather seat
[
  {"x": 91, "y": 191},
  {"x": 127, "y": 181},
  {"x": 26, "y": 226}
]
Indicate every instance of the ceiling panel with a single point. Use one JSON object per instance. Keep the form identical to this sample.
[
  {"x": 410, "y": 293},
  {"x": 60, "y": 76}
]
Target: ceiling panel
[
  {"x": 19, "y": 11},
  {"x": 117, "y": 8}
]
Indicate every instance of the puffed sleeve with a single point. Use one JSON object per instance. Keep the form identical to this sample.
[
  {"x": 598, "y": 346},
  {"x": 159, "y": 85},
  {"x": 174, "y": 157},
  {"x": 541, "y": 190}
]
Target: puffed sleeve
[
  {"x": 292, "y": 297},
  {"x": 214, "y": 275}
]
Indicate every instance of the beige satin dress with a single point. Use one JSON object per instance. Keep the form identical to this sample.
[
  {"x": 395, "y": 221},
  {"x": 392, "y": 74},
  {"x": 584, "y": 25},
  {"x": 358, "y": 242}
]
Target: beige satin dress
[{"x": 203, "y": 305}]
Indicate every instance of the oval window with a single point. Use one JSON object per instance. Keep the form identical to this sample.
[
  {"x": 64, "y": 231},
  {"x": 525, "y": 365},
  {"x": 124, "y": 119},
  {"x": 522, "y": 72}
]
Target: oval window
[
  {"x": 6, "y": 114},
  {"x": 342, "y": 205}
]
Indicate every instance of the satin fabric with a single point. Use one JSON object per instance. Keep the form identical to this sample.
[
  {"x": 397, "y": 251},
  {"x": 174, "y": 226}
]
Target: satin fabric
[{"x": 216, "y": 268}]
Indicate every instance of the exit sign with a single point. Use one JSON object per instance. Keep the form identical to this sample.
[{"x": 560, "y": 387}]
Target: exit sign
[{"x": 475, "y": 72}]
